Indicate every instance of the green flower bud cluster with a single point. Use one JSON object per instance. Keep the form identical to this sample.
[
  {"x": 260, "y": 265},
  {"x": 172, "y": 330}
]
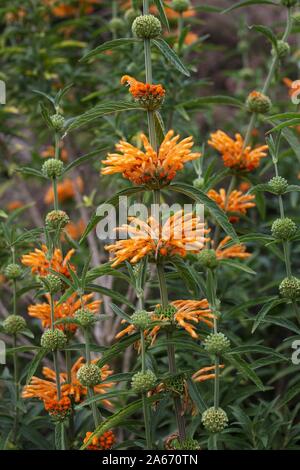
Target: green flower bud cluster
[
  {"x": 290, "y": 288},
  {"x": 283, "y": 229},
  {"x": 52, "y": 340},
  {"x": 89, "y": 375},
  {"x": 176, "y": 383},
  {"x": 187, "y": 444},
  {"x": 282, "y": 49},
  {"x": 208, "y": 258},
  {"x": 214, "y": 419},
  {"x": 141, "y": 319},
  {"x": 198, "y": 183},
  {"x": 180, "y": 6},
  {"x": 57, "y": 219},
  {"x": 143, "y": 381},
  {"x": 216, "y": 343},
  {"x": 52, "y": 283},
  {"x": 258, "y": 103},
  {"x": 146, "y": 27},
  {"x": 14, "y": 324},
  {"x": 52, "y": 168},
  {"x": 13, "y": 271},
  {"x": 86, "y": 318},
  {"x": 165, "y": 313},
  {"x": 278, "y": 184},
  {"x": 57, "y": 121},
  {"x": 116, "y": 25}
]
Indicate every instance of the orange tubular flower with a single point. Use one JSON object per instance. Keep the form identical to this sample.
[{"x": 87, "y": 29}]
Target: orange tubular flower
[
  {"x": 149, "y": 96},
  {"x": 235, "y": 202},
  {"x": 201, "y": 375},
  {"x": 172, "y": 14},
  {"x": 234, "y": 156},
  {"x": 75, "y": 229},
  {"x": 235, "y": 251},
  {"x": 46, "y": 390},
  {"x": 155, "y": 169},
  {"x": 39, "y": 263},
  {"x": 65, "y": 310},
  {"x": 103, "y": 442},
  {"x": 65, "y": 190},
  {"x": 178, "y": 235},
  {"x": 49, "y": 152},
  {"x": 58, "y": 409}
]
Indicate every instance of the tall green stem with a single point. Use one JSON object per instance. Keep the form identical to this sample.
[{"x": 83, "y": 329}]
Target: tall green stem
[
  {"x": 94, "y": 408},
  {"x": 55, "y": 356},
  {"x": 17, "y": 390},
  {"x": 146, "y": 409}
]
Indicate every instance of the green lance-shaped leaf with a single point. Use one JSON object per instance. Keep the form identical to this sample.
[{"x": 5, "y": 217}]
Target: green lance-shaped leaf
[
  {"x": 119, "y": 417},
  {"x": 112, "y": 201},
  {"x": 207, "y": 100},
  {"x": 267, "y": 32},
  {"x": 85, "y": 158},
  {"x": 245, "y": 370},
  {"x": 117, "y": 348},
  {"x": 248, "y": 3},
  {"x": 170, "y": 55},
  {"x": 109, "y": 45},
  {"x": 35, "y": 364},
  {"x": 202, "y": 198},
  {"x": 99, "y": 111},
  {"x": 264, "y": 311},
  {"x": 162, "y": 14}
]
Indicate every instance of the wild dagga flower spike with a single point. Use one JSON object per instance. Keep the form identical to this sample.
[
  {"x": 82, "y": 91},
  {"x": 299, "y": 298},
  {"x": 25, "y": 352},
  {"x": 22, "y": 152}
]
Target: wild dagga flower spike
[
  {"x": 40, "y": 262},
  {"x": 236, "y": 201},
  {"x": 234, "y": 154},
  {"x": 147, "y": 95},
  {"x": 103, "y": 442},
  {"x": 178, "y": 235},
  {"x": 154, "y": 169}
]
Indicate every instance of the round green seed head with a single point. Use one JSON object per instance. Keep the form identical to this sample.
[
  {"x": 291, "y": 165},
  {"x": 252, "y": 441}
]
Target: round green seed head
[
  {"x": 208, "y": 258},
  {"x": 116, "y": 25},
  {"x": 198, "y": 183},
  {"x": 289, "y": 3},
  {"x": 141, "y": 319},
  {"x": 52, "y": 340},
  {"x": 146, "y": 27},
  {"x": 180, "y": 6},
  {"x": 57, "y": 219},
  {"x": 283, "y": 49},
  {"x": 214, "y": 419},
  {"x": 278, "y": 184},
  {"x": 14, "y": 324},
  {"x": 176, "y": 384},
  {"x": 13, "y": 271},
  {"x": 187, "y": 444},
  {"x": 86, "y": 318},
  {"x": 290, "y": 288},
  {"x": 216, "y": 343},
  {"x": 258, "y": 103},
  {"x": 283, "y": 229},
  {"x": 143, "y": 381},
  {"x": 52, "y": 168},
  {"x": 165, "y": 313},
  {"x": 52, "y": 283},
  {"x": 89, "y": 375},
  {"x": 57, "y": 121},
  {"x": 131, "y": 14}
]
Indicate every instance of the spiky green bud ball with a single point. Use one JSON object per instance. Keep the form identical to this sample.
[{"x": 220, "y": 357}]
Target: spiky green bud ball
[
  {"x": 216, "y": 343},
  {"x": 57, "y": 219},
  {"x": 186, "y": 444},
  {"x": 257, "y": 102},
  {"x": 143, "y": 381},
  {"x": 282, "y": 50},
  {"x": 146, "y": 27},
  {"x": 165, "y": 313},
  {"x": 278, "y": 184},
  {"x": 86, "y": 318},
  {"x": 289, "y": 3},
  {"x": 52, "y": 283},
  {"x": 89, "y": 375},
  {"x": 116, "y": 25},
  {"x": 57, "y": 121},
  {"x": 14, "y": 324},
  {"x": 180, "y": 5},
  {"x": 290, "y": 288},
  {"x": 208, "y": 258},
  {"x": 131, "y": 14},
  {"x": 141, "y": 319},
  {"x": 13, "y": 271},
  {"x": 214, "y": 419},
  {"x": 52, "y": 168},
  {"x": 283, "y": 229},
  {"x": 198, "y": 183},
  {"x": 52, "y": 340}
]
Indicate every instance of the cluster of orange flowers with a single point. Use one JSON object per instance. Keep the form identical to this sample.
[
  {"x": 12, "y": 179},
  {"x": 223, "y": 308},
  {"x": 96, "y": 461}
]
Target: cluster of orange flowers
[
  {"x": 103, "y": 442},
  {"x": 178, "y": 235},
  {"x": 40, "y": 262},
  {"x": 140, "y": 90},
  {"x": 62, "y": 10},
  {"x": 46, "y": 389},
  {"x": 66, "y": 309},
  {"x": 235, "y": 202},
  {"x": 152, "y": 168}
]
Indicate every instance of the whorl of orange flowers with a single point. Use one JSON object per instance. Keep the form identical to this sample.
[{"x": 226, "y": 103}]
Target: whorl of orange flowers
[
  {"x": 178, "y": 235},
  {"x": 58, "y": 409},
  {"x": 40, "y": 263},
  {"x": 148, "y": 95},
  {"x": 66, "y": 309},
  {"x": 205, "y": 373},
  {"x": 235, "y": 251},
  {"x": 152, "y": 168},
  {"x": 235, "y": 202},
  {"x": 45, "y": 389},
  {"x": 186, "y": 311},
  {"x": 66, "y": 189},
  {"x": 103, "y": 442},
  {"x": 62, "y": 10},
  {"x": 234, "y": 155}
]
